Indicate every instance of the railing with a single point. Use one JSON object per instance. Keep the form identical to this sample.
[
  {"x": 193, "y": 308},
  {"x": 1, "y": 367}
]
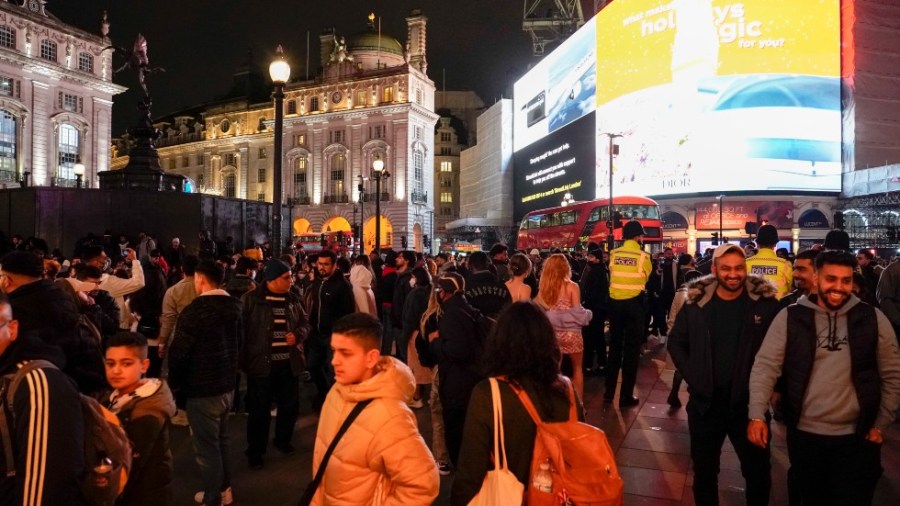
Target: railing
[
  {"x": 62, "y": 182},
  {"x": 385, "y": 197},
  {"x": 335, "y": 199},
  {"x": 302, "y": 200},
  {"x": 418, "y": 197},
  {"x": 8, "y": 176},
  {"x": 179, "y": 139}
]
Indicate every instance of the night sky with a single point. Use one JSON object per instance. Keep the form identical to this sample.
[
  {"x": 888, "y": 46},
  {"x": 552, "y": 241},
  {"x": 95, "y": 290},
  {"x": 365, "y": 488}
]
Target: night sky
[{"x": 201, "y": 43}]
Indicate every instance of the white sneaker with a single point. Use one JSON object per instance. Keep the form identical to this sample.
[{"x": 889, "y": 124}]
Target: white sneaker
[
  {"x": 443, "y": 468},
  {"x": 416, "y": 403},
  {"x": 227, "y": 498},
  {"x": 180, "y": 418}
]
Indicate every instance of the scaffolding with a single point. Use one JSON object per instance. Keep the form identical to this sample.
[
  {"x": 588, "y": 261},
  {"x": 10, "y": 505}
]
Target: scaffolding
[
  {"x": 550, "y": 21},
  {"x": 873, "y": 221}
]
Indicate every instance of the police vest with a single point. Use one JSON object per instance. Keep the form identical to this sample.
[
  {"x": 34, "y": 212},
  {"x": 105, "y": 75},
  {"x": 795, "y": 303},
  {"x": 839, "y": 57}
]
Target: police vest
[
  {"x": 775, "y": 269},
  {"x": 627, "y": 273}
]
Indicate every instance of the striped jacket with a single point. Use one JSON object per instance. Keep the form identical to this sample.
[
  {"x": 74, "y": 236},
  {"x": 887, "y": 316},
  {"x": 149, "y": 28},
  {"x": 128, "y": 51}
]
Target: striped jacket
[{"x": 46, "y": 427}]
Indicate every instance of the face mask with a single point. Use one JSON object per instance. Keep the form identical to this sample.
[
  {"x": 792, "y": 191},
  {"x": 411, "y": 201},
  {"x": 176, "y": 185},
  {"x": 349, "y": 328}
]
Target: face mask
[
  {"x": 412, "y": 282},
  {"x": 252, "y": 274}
]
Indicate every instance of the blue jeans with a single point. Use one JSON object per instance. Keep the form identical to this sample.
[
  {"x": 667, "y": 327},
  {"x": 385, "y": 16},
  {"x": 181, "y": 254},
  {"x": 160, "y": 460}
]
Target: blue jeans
[{"x": 208, "y": 417}]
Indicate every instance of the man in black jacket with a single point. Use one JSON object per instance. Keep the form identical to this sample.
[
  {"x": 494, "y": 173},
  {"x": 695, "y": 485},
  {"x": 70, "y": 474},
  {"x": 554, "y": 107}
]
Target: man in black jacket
[
  {"x": 45, "y": 309},
  {"x": 330, "y": 297},
  {"x": 483, "y": 290},
  {"x": 458, "y": 350},
  {"x": 275, "y": 326},
  {"x": 594, "y": 284},
  {"x": 715, "y": 337},
  {"x": 46, "y": 426},
  {"x": 406, "y": 260},
  {"x": 203, "y": 361}
]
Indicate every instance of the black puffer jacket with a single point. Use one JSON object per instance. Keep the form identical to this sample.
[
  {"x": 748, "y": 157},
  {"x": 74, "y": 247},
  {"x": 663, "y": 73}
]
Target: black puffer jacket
[
  {"x": 330, "y": 299},
  {"x": 203, "y": 356},
  {"x": 458, "y": 351},
  {"x": 690, "y": 342},
  {"x": 256, "y": 359}
]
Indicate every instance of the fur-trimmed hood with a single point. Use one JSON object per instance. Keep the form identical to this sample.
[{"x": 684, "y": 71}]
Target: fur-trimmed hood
[{"x": 700, "y": 291}]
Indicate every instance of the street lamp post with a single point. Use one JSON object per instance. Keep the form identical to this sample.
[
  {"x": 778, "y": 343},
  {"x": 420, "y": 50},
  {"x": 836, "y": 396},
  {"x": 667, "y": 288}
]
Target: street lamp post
[
  {"x": 378, "y": 173},
  {"x": 280, "y": 72},
  {"x": 721, "y": 237},
  {"x": 613, "y": 150},
  {"x": 362, "y": 214},
  {"x": 78, "y": 170}
]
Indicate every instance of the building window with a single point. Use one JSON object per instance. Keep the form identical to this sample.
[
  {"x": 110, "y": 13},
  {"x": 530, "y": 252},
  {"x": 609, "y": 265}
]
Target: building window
[
  {"x": 201, "y": 179},
  {"x": 171, "y": 163},
  {"x": 446, "y": 152},
  {"x": 300, "y": 140},
  {"x": 261, "y": 175},
  {"x": 446, "y": 211},
  {"x": 336, "y": 187},
  {"x": 446, "y": 166},
  {"x": 419, "y": 172},
  {"x": 199, "y": 159},
  {"x": 336, "y": 136},
  {"x": 361, "y": 97},
  {"x": 445, "y": 136},
  {"x": 86, "y": 63},
  {"x": 387, "y": 94},
  {"x": 7, "y": 37},
  {"x": 263, "y": 153},
  {"x": 419, "y": 96},
  {"x": 68, "y": 150},
  {"x": 417, "y": 132},
  {"x": 313, "y": 104},
  {"x": 7, "y": 85},
  {"x": 68, "y": 102},
  {"x": 48, "y": 50},
  {"x": 261, "y": 196},
  {"x": 446, "y": 197},
  {"x": 300, "y": 177},
  {"x": 292, "y": 107},
  {"x": 446, "y": 183},
  {"x": 230, "y": 188},
  {"x": 7, "y": 142},
  {"x": 185, "y": 161},
  {"x": 376, "y": 132},
  {"x": 229, "y": 159}
]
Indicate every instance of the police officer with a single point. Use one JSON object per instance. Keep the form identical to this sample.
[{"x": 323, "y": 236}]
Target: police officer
[
  {"x": 769, "y": 265},
  {"x": 629, "y": 269}
]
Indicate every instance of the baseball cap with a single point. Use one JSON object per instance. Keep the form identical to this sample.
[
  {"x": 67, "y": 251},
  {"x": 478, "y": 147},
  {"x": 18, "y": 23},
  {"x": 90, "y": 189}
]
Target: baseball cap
[
  {"x": 451, "y": 282},
  {"x": 727, "y": 248},
  {"x": 534, "y": 252}
]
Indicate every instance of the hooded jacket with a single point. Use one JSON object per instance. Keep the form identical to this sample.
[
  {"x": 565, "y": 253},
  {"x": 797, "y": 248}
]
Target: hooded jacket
[
  {"x": 691, "y": 343},
  {"x": 47, "y": 427},
  {"x": 145, "y": 414},
  {"x": 382, "y": 459},
  {"x": 837, "y": 396}
]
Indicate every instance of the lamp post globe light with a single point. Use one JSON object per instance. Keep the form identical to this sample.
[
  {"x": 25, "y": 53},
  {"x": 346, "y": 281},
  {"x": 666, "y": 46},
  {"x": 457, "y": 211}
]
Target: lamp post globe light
[
  {"x": 280, "y": 72},
  {"x": 78, "y": 170},
  {"x": 378, "y": 173}
]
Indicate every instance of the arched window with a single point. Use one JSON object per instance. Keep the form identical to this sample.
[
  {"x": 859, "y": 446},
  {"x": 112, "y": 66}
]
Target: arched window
[
  {"x": 300, "y": 191},
  {"x": 68, "y": 150},
  {"x": 7, "y": 142},
  {"x": 230, "y": 187},
  {"x": 336, "y": 183},
  {"x": 418, "y": 175}
]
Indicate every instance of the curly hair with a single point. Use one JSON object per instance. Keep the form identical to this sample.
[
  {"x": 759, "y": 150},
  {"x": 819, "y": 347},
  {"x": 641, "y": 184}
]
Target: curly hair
[
  {"x": 522, "y": 345},
  {"x": 554, "y": 275}
]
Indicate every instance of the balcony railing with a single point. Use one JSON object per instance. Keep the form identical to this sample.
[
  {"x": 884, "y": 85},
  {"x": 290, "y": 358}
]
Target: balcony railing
[
  {"x": 62, "y": 182},
  {"x": 417, "y": 197},
  {"x": 335, "y": 199},
  {"x": 8, "y": 176},
  {"x": 302, "y": 200},
  {"x": 385, "y": 197}
]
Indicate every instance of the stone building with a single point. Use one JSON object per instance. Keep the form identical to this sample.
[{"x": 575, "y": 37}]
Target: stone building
[{"x": 56, "y": 94}]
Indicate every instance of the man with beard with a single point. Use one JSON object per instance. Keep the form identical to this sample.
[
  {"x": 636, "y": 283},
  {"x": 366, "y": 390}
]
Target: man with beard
[
  {"x": 804, "y": 268},
  {"x": 713, "y": 341},
  {"x": 841, "y": 368}
]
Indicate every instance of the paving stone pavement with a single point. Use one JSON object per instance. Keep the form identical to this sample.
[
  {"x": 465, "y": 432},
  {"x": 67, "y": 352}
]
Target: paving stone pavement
[{"x": 650, "y": 440}]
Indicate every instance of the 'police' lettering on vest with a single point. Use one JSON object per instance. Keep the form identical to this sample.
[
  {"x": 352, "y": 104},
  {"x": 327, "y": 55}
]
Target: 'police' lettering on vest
[
  {"x": 625, "y": 261},
  {"x": 764, "y": 270}
]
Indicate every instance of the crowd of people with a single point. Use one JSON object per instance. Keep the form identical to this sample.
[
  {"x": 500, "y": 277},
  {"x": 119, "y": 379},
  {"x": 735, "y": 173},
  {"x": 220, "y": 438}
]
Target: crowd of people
[{"x": 161, "y": 335}]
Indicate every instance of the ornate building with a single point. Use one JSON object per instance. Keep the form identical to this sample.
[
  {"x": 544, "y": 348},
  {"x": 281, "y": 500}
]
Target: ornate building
[
  {"x": 372, "y": 100},
  {"x": 56, "y": 94}
]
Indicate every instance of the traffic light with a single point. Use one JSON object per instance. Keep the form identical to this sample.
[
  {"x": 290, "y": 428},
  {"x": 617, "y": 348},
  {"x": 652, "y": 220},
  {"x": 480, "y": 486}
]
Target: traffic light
[
  {"x": 715, "y": 238},
  {"x": 839, "y": 220},
  {"x": 403, "y": 241},
  {"x": 617, "y": 219},
  {"x": 322, "y": 240},
  {"x": 425, "y": 240}
]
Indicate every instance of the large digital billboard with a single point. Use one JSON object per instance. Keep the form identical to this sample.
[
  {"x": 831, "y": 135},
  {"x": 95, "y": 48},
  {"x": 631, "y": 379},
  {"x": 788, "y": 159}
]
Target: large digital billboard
[
  {"x": 718, "y": 95},
  {"x": 558, "y": 90},
  {"x": 562, "y": 162}
]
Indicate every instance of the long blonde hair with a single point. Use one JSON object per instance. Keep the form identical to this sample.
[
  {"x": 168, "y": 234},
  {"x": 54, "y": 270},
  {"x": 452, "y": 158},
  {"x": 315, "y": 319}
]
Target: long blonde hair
[
  {"x": 553, "y": 277},
  {"x": 433, "y": 309}
]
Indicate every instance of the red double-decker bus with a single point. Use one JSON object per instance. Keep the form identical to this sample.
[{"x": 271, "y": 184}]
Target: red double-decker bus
[
  {"x": 584, "y": 222},
  {"x": 339, "y": 242}
]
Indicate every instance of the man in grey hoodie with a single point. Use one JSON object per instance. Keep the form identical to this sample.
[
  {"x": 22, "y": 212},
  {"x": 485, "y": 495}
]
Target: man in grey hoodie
[{"x": 841, "y": 369}]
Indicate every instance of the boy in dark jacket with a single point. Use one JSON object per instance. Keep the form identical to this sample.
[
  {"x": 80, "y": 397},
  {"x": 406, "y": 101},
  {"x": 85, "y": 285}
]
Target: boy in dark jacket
[{"x": 145, "y": 407}]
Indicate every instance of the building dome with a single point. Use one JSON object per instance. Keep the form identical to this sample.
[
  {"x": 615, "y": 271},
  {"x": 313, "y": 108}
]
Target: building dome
[{"x": 369, "y": 41}]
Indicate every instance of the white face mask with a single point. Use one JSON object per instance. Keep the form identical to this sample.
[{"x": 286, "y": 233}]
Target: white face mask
[{"x": 412, "y": 282}]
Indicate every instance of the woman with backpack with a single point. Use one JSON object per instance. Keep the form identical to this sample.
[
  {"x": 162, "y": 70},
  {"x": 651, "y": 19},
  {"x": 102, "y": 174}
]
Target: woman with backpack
[{"x": 523, "y": 350}]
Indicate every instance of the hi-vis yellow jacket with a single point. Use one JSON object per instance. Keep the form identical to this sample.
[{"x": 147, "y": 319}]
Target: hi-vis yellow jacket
[
  {"x": 629, "y": 269},
  {"x": 774, "y": 268}
]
